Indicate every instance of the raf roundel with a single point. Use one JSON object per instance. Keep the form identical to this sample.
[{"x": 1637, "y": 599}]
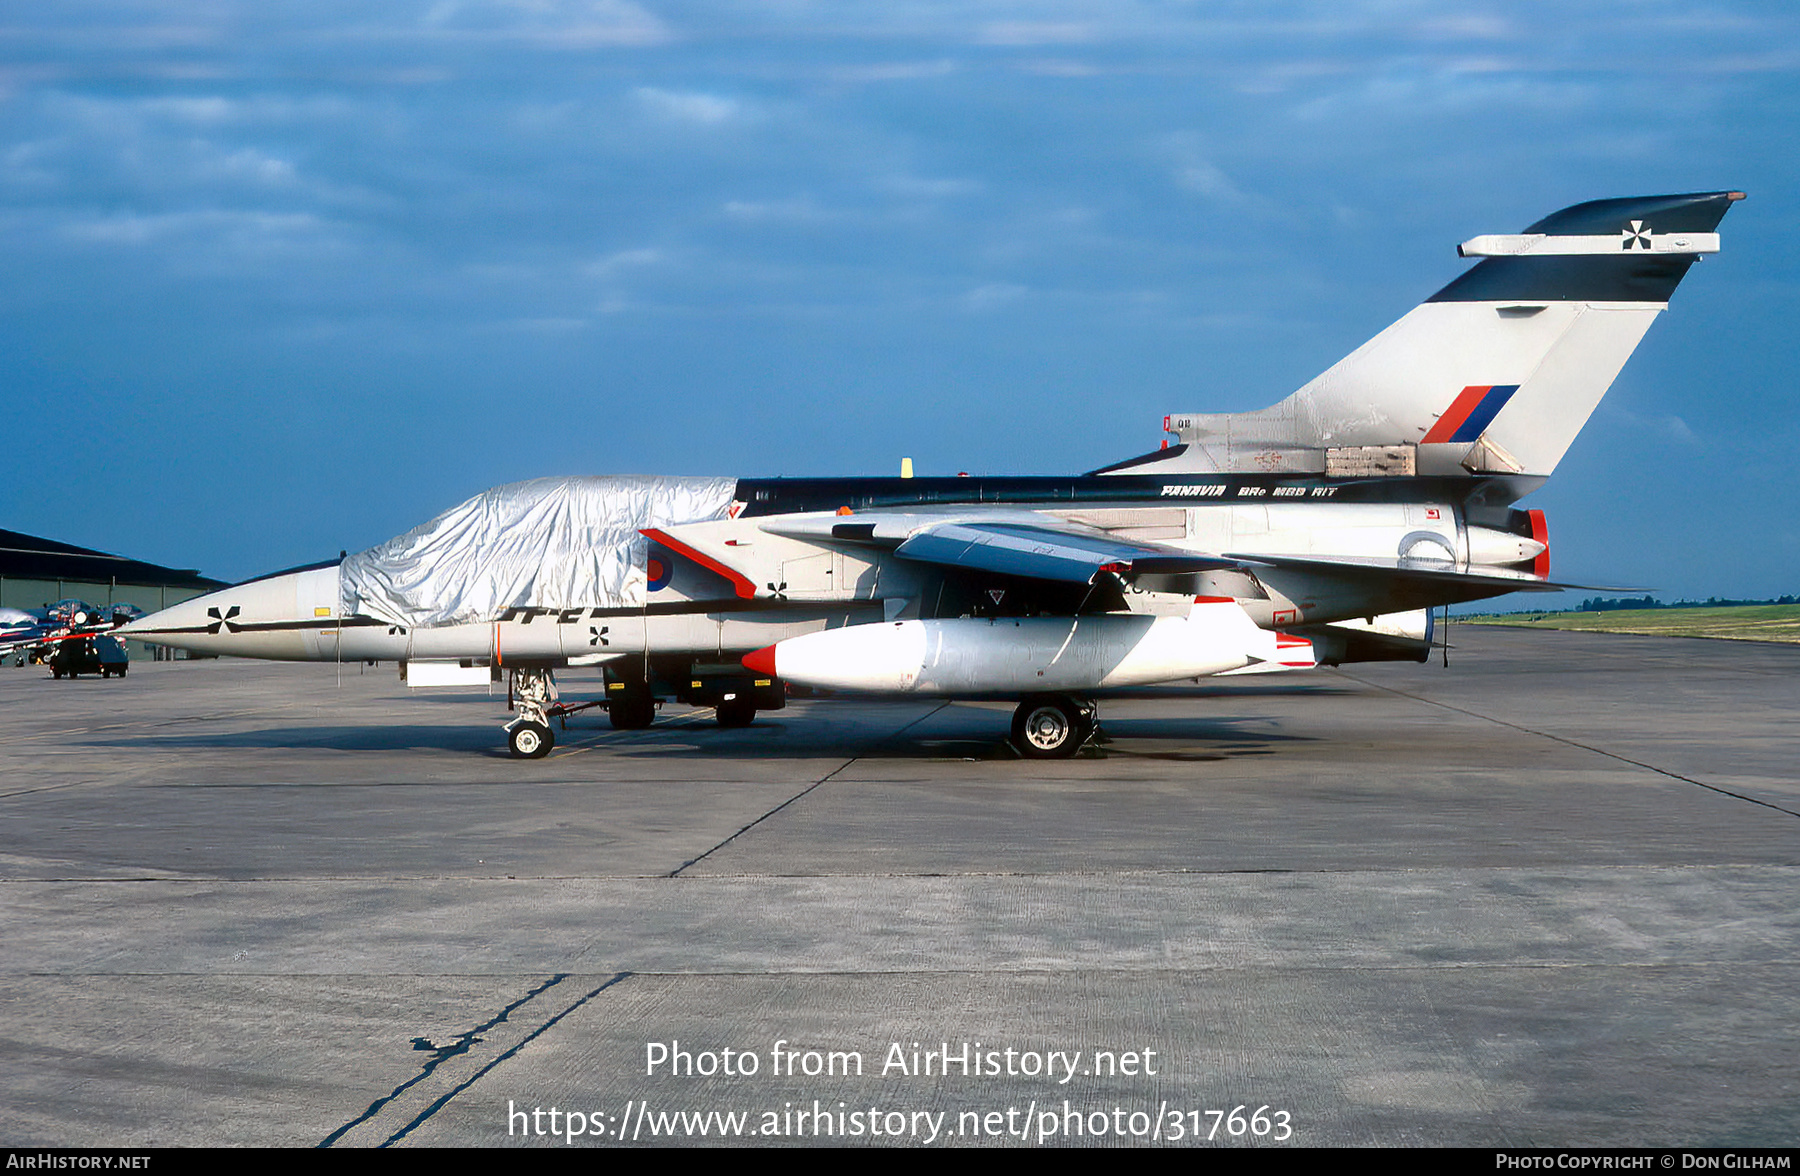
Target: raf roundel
[{"x": 658, "y": 572}]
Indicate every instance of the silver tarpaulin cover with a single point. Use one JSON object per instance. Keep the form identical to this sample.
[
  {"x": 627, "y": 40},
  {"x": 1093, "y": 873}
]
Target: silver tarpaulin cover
[{"x": 550, "y": 543}]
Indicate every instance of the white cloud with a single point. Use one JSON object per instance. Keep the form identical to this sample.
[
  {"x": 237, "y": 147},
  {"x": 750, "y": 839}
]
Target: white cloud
[
  {"x": 233, "y": 229},
  {"x": 916, "y": 186},
  {"x": 1028, "y": 32},
  {"x": 30, "y": 164},
  {"x": 1059, "y": 68},
  {"x": 1476, "y": 26},
  {"x": 544, "y": 326},
  {"x": 1195, "y": 172},
  {"x": 1663, "y": 426},
  {"x": 209, "y": 109},
  {"x": 797, "y": 208},
  {"x": 690, "y": 106},
  {"x": 891, "y": 71},
  {"x": 992, "y": 296},
  {"x": 255, "y": 167},
  {"x": 568, "y": 24},
  {"x": 614, "y": 264},
  {"x": 199, "y": 110},
  {"x": 1677, "y": 429}
]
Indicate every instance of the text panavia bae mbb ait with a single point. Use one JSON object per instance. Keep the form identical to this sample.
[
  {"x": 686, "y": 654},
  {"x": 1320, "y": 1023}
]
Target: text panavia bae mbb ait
[{"x": 1320, "y": 530}]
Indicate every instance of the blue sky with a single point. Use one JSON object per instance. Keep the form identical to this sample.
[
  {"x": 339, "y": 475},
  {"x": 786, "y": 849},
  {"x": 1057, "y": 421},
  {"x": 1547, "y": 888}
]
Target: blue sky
[{"x": 283, "y": 279}]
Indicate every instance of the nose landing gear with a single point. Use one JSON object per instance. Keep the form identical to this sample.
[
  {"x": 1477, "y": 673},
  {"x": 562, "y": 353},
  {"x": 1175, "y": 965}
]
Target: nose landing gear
[{"x": 533, "y": 690}]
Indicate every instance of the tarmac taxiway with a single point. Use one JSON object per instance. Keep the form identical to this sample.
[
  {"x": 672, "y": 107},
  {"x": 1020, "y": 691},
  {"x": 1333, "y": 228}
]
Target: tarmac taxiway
[{"x": 1543, "y": 897}]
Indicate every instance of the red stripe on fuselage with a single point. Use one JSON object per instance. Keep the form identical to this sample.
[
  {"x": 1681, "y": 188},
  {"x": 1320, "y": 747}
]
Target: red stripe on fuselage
[
  {"x": 739, "y": 583},
  {"x": 1456, "y": 414}
]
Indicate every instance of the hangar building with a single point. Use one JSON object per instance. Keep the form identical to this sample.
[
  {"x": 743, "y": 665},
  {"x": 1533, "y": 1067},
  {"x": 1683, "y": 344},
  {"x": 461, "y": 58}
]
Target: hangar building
[{"x": 35, "y": 573}]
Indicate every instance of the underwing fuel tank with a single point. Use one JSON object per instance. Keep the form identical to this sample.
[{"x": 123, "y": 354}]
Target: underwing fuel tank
[{"x": 1019, "y": 655}]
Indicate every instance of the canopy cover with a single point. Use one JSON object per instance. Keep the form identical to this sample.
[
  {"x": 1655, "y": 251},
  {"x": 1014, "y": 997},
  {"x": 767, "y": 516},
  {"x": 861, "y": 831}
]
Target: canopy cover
[{"x": 548, "y": 543}]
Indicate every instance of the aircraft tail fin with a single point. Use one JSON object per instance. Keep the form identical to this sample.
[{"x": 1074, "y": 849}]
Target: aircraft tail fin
[{"x": 1494, "y": 374}]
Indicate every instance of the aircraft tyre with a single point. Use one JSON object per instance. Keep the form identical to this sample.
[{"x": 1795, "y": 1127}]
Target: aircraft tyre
[
  {"x": 1050, "y": 727},
  {"x": 530, "y": 740},
  {"x": 632, "y": 714},
  {"x": 737, "y": 712}
]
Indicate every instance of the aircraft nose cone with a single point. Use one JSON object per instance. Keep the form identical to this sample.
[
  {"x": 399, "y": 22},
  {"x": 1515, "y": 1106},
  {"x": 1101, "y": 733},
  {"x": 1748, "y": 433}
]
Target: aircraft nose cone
[{"x": 183, "y": 616}]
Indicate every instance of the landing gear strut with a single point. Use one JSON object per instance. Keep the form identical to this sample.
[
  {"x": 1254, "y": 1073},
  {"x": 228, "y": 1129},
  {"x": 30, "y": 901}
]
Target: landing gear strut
[
  {"x": 532, "y": 690},
  {"x": 1052, "y": 726}
]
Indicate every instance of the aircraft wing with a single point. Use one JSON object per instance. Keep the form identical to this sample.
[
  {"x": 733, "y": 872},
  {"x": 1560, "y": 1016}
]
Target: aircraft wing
[
  {"x": 1047, "y": 552},
  {"x": 1002, "y": 541},
  {"x": 1409, "y": 577}
]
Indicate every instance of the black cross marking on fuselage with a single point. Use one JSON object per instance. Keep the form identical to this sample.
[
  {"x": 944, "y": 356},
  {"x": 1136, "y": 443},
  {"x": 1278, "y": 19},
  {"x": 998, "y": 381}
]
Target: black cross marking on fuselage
[
  {"x": 599, "y": 635},
  {"x": 222, "y": 621},
  {"x": 778, "y": 591}
]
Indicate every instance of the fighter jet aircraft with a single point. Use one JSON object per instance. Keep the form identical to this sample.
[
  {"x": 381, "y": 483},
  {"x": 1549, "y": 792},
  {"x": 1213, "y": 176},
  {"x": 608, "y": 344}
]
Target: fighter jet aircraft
[{"x": 1320, "y": 530}]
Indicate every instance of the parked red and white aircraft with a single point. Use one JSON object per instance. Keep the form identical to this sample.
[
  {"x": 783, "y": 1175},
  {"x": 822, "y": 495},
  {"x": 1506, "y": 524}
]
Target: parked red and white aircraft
[{"x": 1320, "y": 530}]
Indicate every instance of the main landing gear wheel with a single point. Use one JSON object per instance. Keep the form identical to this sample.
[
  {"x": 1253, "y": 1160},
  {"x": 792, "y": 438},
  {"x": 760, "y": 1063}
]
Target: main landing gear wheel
[
  {"x": 737, "y": 712},
  {"x": 1051, "y": 728},
  {"x": 530, "y": 740},
  {"x": 632, "y": 714}
]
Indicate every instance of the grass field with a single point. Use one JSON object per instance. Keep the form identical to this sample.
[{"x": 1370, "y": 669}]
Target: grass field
[{"x": 1758, "y": 622}]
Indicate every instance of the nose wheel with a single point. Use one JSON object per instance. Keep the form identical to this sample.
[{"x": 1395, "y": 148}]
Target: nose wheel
[
  {"x": 529, "y": 740},
  {"x": 529, "y": 736},
  {"x": 1051, "y": 727}
]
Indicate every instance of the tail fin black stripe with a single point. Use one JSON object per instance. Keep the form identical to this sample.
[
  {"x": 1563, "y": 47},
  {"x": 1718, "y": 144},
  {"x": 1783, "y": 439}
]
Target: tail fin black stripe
[{"x": 1628, "y": 276}]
